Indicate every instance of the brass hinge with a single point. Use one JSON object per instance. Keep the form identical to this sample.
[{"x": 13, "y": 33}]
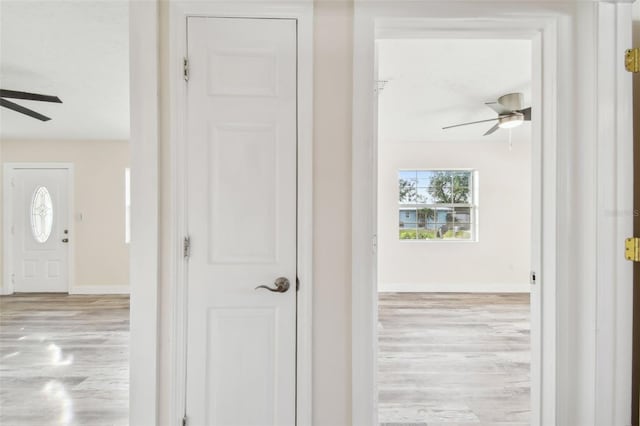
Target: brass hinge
[
  {"x": 185, "y": 69},
  {"x": 632, "y": 249},
  {"x": 632, "y": 59}
]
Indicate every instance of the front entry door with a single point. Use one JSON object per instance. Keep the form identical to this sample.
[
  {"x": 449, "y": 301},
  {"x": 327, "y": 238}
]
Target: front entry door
[
  {"x": 241, "y": 202},
  {"x": 39, "y": 230}
]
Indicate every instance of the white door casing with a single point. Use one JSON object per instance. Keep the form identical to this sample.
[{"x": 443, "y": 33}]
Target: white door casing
[
  {"x": 241, "y": 218},
  {"x": 432, "y": 29},
  {"x": 144, "y": 271},
  {"x": 584, "y": 285},
  {"x": 38, "y": 229}
]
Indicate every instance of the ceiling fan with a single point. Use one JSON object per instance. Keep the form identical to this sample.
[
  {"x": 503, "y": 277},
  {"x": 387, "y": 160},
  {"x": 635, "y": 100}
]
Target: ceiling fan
[
  {"x": 510, "y": 113},
  {"x": 12, "y": 94}
]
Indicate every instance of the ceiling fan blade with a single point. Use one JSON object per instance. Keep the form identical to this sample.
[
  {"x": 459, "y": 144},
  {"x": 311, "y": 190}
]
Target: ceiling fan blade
[
  {"x": 15, "y": 107},
  {"x": 498, "y": 107},
  {"x": 471, "y": 122},
  {"x": 493, "y": 129},
  {"x": 526, "y": 112},
  {"x": 13, "y": 94}
]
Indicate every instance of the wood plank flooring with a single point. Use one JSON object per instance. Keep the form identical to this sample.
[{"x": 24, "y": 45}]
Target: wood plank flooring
[
  {"x": 64, "y": 360},
  {"x": 453, "y": 359},
  {"x": 445, "y": 359}
]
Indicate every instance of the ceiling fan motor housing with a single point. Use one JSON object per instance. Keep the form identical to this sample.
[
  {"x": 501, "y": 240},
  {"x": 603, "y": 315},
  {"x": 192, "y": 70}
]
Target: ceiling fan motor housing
[
  {"x": 512, "y": 101},
  {"x": 510, "y": 121}
]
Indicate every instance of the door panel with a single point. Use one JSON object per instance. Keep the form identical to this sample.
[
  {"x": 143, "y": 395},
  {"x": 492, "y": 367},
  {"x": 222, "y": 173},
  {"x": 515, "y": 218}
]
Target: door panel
[
  {"x": 248, "y": 185},
  {"x": 258, "y": 381},
  {"x": 39, "y": 221},
  {"x": 241, "y": 202}
]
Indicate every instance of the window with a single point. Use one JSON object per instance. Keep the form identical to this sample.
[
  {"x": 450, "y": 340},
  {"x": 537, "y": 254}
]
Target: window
[
  {"x": 41, "y": 214},
  {"x": 437, "y": 205},
  {"x": 127, "y": 206}
]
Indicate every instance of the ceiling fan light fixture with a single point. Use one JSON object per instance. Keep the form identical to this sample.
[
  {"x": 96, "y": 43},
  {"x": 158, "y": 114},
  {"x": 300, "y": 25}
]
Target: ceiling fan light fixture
[
  {"x": 510, "y": 121},
  {"x": 509, "y": 110}
]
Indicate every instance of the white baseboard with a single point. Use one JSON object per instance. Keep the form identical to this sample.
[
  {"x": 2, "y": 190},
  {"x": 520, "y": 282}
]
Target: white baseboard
[
  {"x": 453, "y": 288},
  {"x": 100, "y": 289}
]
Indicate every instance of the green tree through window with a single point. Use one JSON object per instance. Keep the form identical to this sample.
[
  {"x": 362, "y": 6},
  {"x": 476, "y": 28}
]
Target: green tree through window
[{"x": 436, "y": 204}]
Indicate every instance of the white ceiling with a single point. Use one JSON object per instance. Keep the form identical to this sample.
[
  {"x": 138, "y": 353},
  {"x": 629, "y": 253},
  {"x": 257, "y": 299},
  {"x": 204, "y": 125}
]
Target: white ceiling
[
  {"x": 433, "y": 83},
  {"x": 77, "y": 50}
]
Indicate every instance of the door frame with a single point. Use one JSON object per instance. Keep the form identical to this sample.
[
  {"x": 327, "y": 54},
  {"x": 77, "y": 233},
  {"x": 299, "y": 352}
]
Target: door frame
[
  {"x": 144, "y": 78},
  {"x": 7, "y": 203},
  {"x": 585, "y": 323},
  {"x": 540, "y": 166},
  {"x": 302, "y": 12}
]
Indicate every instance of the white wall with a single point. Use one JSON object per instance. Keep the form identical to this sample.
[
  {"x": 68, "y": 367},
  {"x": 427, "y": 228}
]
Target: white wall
[
  {"x": 101, "y": 255},
  {"x": 499, "y": 259},
  {"x": 333, "y": 88}
]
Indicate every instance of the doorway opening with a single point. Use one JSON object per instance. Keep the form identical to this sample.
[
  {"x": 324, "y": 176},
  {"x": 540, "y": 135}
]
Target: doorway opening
[
  {"x": 66, "y": 154},
  {"x": 456, "y": 230}
]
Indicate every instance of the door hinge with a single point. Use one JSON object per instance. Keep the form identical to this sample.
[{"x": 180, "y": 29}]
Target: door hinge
[
  {"x": 532, "y": 278},
  {"x": 632, "y": 249},
  {"x": 297, "y": 284},
  {"x": 186, "y": 247},
  {"x": 13, "y": 278},
  {"x": 185, "y": 69},
  {"x": 374, "y": 243},
  {"x": 632, "y": 59},
  {"x": 184, "y": 420}
]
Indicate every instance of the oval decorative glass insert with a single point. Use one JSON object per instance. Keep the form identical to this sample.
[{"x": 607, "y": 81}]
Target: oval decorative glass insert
[{"x": 41, "y": 214}]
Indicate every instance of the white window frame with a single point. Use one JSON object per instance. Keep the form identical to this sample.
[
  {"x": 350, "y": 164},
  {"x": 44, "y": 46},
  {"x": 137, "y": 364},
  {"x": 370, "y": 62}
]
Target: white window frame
[{"x": 473, "y": 206}]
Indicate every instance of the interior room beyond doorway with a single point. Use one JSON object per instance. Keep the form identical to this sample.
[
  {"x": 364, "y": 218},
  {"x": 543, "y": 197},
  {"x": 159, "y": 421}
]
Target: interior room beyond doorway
[{"x": 454, "y": 231}]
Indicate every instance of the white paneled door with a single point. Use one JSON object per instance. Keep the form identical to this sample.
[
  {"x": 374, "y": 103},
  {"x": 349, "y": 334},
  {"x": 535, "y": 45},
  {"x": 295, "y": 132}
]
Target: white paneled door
[
  {"x": 241, "y": 202},
  {"x": 39, "y": 230}
]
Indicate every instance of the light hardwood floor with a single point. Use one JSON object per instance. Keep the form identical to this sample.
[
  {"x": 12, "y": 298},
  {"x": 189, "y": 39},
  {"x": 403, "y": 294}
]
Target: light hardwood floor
[
  {"x": 64, "y": 360},
  {"x": 454, "y": 359},
  {"x": 445, "y": 359}
]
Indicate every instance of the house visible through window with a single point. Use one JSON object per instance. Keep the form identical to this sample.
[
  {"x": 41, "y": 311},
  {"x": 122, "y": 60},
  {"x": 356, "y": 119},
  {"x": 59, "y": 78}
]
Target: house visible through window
[{"x": 437, "y": 205}]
